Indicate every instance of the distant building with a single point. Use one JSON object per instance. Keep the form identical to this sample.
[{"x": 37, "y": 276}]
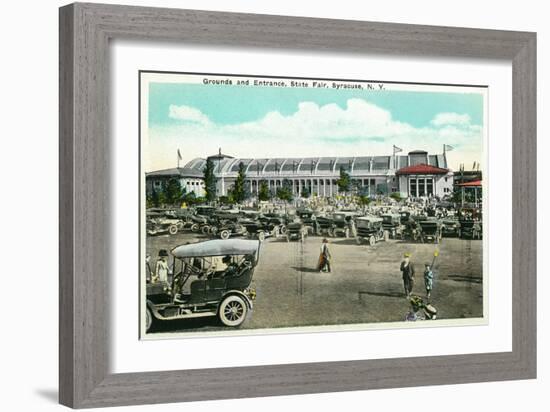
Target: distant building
[
  {"x": 190, "y": 179},
  {"x": 415, "y": 174},
  {"x": 423, "y": 180}
]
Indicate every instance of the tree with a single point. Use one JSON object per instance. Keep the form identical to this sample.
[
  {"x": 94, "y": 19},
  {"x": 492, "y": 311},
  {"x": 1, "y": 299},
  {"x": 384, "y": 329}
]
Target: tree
[
  {"x": 239, "y": 192},
  {"x": 285, "y": 191},
  {"x": 172, "y": 191},
  {"x": 306, "y": 192},
  {"x": 209, "y": 180},
  {"x": 344, "y": 182},
  {"x": 263, "y": 191},
  {"x": 157, "y": 197}
]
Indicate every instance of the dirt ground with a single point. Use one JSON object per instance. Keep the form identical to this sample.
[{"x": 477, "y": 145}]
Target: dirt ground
[{"x": 364, "y": 286}]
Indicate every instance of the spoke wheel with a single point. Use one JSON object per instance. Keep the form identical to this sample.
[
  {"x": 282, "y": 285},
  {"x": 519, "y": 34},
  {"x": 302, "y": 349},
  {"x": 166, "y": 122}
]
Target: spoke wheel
[
  {"x": 173, "y": 229},
  {"x": 372, "y": 240},
  {"x": 233, "y": 311}
]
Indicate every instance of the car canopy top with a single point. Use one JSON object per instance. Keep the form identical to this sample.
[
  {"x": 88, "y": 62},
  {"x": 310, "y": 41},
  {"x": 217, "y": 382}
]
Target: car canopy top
[
  {"x": 369, "y": 219},
  {"x": 218, "y": 247}
]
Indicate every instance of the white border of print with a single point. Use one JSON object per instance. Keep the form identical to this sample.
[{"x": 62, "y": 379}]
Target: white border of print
[
  {"x": 187, "y": 78},
  {"x": 129, "y": 354}
]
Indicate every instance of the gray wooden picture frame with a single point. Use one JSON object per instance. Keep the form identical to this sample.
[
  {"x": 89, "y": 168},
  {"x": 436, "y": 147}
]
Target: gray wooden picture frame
[{"x": 85, "y": 31}]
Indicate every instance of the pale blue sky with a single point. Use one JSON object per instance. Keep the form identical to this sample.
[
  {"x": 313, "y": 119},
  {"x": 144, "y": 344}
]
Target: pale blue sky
[
  {"x": 235, "y": 104},
  {"x": 248, "y": 121}
]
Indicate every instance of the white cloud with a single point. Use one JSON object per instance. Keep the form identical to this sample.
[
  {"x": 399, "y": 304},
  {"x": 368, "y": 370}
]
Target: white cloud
[
  {"x": 445, "y": 119},
  {"x": 188, "y": 114},
  {"x": 360, "y": 128}
]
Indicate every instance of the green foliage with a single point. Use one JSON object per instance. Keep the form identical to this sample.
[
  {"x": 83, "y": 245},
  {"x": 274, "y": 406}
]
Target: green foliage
[
  {"x": 157, "y": 197},
  {"x": 209, "y": 180},
  {"x": 226, "y": 200},
  {"x": 285, "y": 191},
  {"x": 172, "y": 191},
  {"x": 396, "y": 196},
  {"x": 344, "y": 182},
  {"x": 306, "y": 192},
  {"x": 240, "y": 192},
  {"x": 364, "y": 200},
  {"x": 263, "y": 191}
]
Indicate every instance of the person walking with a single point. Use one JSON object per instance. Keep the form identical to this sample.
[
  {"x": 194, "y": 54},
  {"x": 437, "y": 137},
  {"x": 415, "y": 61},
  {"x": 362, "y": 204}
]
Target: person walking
[
  {"x": 407, "y": 270},
  {"x": 324, "y": 257},
  {"x": 428, "y": 279}
]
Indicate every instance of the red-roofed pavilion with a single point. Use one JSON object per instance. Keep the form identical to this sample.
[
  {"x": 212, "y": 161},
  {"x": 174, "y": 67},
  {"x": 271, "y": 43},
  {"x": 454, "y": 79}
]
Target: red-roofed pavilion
[{"x": 422, "y": 179}]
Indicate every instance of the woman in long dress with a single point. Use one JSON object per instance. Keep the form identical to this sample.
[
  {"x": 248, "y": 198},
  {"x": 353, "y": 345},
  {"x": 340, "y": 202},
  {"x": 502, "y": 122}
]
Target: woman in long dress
[{"x": 323, "y": 265}]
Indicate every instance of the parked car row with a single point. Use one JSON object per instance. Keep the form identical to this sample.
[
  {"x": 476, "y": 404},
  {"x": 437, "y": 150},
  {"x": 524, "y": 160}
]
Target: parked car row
[{"x": 414, "y": 223}]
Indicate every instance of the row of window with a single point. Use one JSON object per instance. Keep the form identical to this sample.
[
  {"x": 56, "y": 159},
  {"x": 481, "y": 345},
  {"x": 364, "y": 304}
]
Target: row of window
[{"x": 158, "y": 183}]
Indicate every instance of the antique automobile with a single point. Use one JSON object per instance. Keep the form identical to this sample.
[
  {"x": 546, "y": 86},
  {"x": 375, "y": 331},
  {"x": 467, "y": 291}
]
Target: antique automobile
[
  {"x": 296, "y": 231},
  {"x": 223, "y": 226},
  {"x": 471, "y": 229},
  {"x": 197, "y": 222},
  {"x": 158, "y": 222},
  {"x": 212, "y": 278},
  {"x": 411, "y": 228},
  {"x": 342, "y": 223},
  {"x": 256, "y": 229},
  {"x": 308, "y": 219},
  {"x": 205, "y": 210},
  {"x": 404, "y": 217},
  {"x": 369, "y": 228},
  {"x": 391, "y": 223},
  {"x": 185, "y": 215},
  {"x": 274, "y": 222},
  {"x": 430, "y": 230},
  {"x": 450, "y": 227},
  {"x": 325, "y": 225}
]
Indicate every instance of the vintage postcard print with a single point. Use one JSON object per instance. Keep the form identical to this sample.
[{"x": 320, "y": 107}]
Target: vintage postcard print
[{"x": 274, "y": 204}]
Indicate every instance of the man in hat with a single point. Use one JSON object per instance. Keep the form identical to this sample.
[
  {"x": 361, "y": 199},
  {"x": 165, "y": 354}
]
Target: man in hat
[{"x": 407, "y": 270}]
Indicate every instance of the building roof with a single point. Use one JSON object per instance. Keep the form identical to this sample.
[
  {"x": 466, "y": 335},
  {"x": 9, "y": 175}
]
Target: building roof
[
  {"x": 355, "y": 165},
  {"x": 422, "y": 169},
  {"x": 177, "y": 172},
  {"x": 473, "y": 183}
]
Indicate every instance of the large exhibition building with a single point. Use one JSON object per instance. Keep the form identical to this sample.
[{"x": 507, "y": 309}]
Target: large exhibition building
[{"x": 415, "y": 174}]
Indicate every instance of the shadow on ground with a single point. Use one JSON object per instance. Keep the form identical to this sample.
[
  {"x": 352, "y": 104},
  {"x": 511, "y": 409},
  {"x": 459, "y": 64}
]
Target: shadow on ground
[
  {"x": 385, "y": 294},
  {"x": 463, "y": 278}
]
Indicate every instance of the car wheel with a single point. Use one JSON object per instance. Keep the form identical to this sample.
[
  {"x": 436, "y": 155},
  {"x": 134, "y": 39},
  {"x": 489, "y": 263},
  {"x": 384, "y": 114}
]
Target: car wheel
[
  {"x": 372, "y": 240},
  {"x": 195, "y": 227},
  {"x": 148, "y": 320},
  {"x": 261, "y": 236},
  {"x": 205, "y": 230},
  {"x": 282, "y": 229},
  {"x": 224, "y": 234},
  {"x": 232, "y": 311},
  {"x": 214, "y": 230},
  {"x": 173, "y": 229}
]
